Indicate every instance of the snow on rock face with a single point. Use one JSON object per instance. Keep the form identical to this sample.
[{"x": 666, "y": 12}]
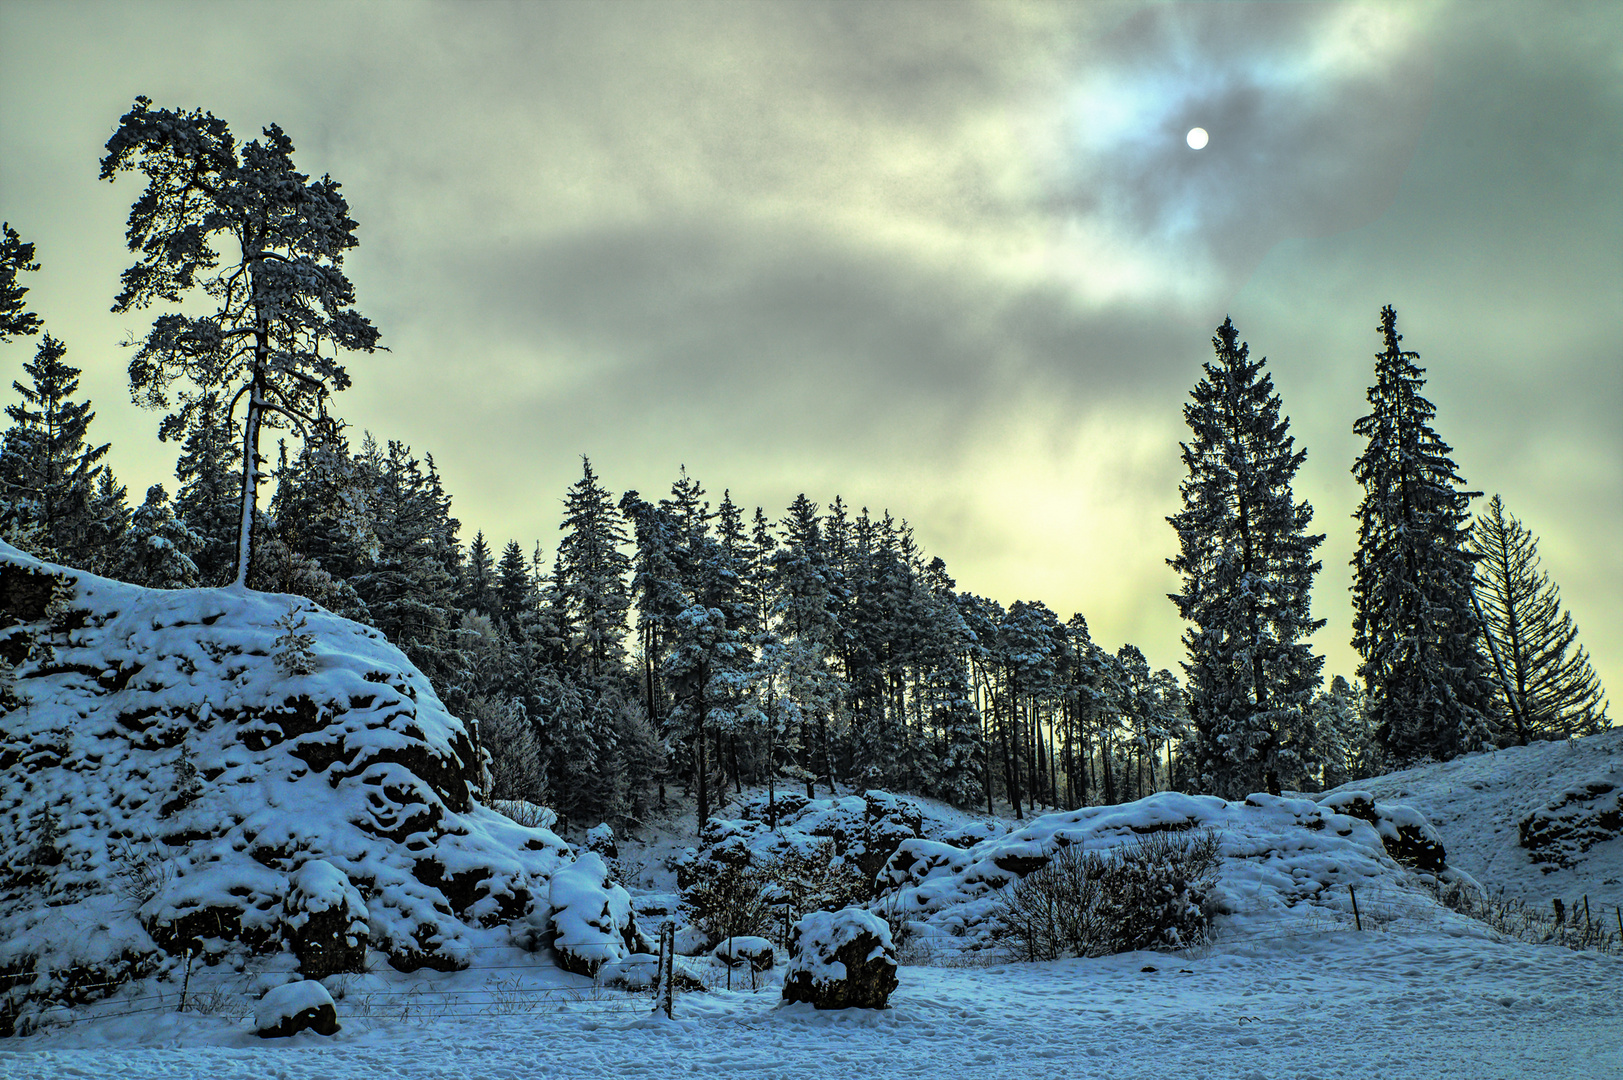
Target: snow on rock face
[
  {"x": 164, "y": 784},
  {"x": 592, "y": 918},
  {"x": 294, "y": 1007},
  {"x": 1408, "y": 836},
  {"x": 841, "y": 960},
  {"x": 1560, "y": 832}
]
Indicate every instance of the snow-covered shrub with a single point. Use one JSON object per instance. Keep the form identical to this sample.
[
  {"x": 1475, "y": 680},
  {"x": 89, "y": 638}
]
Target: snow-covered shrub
[
  {"x": 728, "y": 899},
  {"x": 1147, "y": 893},
  {"x": 294, "y": 650},
  {"x": 840, "y": 960}
]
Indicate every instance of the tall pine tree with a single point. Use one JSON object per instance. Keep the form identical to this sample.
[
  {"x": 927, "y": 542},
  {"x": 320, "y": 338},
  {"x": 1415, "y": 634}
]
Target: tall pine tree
[
  {"x": 1414, "y": 622},
  {"x": 15, "y": 257},
  {"x": 282, "y": 304},
  {"x": 1247, "y": 564}
]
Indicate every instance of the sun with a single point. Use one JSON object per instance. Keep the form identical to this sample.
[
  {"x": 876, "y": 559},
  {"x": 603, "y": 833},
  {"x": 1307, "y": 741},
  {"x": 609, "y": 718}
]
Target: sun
[{"x": 1196, "y": 138}]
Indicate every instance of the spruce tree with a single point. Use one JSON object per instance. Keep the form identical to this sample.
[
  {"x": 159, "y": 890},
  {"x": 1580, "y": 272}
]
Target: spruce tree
[
  {"x": 1246, "y": 559},
  {"x": 156, "y": 550},
  {"x": 15, "y": 257},
  {"x": 1546, "y": 687},
  {"x": 282, "y": 304},
  {"x": 210, "y": 473},
  {"x": 54, "y": 506},
  {"x": 1414, "y": 621},
  {"x": 591, "y": 575}
]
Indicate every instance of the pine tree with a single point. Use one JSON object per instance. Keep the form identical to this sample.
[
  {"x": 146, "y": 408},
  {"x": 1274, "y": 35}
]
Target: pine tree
[
  {"x": 1546, "y": 687},
  {"x": 50, "y": 475},
  {"x": 1247, "y": 564},
  {"x": 515, "y": 589},
  {"x": 478, "y": 592},
  {"x": 15, "y": 257},
  {"x": 280, "y": 298},
  {"x": 1414, "y": 622}
]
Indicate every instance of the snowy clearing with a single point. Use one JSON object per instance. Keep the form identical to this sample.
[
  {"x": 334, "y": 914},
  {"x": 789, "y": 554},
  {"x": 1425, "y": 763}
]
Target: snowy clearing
[{"x": 1332, "y": 1005}]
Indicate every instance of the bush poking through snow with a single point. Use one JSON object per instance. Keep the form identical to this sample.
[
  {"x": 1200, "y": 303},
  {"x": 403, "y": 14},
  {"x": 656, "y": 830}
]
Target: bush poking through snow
[
  {"x": 1148, "y": 893},
  {"x": 729, "y": 900}
]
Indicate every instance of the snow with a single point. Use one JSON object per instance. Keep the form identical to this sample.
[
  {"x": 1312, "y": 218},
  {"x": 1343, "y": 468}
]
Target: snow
[{"x": 1476, "y": 804}]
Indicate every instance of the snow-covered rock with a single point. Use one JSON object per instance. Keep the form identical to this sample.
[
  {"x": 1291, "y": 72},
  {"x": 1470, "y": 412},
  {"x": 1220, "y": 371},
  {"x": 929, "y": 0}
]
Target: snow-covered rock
[
  {"x": 165, "y": 786},
  {"x": 754, "y": 951},
  {"x": 592, "y": 917},
  {"x": 1277, "y": 854},
  {"x": 294, "y": 1007},
  {"x": 1561, "y": 831},
  {"x": 841, "y": 960}
]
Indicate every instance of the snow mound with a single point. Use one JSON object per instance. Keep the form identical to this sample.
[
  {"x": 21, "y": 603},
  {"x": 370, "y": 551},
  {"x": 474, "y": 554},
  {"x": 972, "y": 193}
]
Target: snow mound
[
  {"x": 169, "y": 783},
  {"x": 1283, "y": 861}
]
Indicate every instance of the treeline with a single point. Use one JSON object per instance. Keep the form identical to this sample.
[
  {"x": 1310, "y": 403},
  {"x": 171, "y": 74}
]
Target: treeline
[{"x": 676, "y": 640}]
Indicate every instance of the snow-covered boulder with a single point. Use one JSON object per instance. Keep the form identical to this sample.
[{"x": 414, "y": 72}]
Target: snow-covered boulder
[
  {"x": 841, "y": 960},
  {"x": 294, "y": 1007},
  {"x": 592, "y": 920},
  {"x": 754, "y": 951},
  {"x": 163, "y": 780},
  {"x": 1586, "y": 814},
  {"x": 324, "y": 921}
]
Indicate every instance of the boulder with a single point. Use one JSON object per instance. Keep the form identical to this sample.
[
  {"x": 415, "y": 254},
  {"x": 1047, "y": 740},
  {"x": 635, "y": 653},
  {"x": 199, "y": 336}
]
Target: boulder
[
  {"x": 1407, "y": 836},
  {"x": 841, "y": 960},
  {"x": 324, "y": 921},
  {"x": 600, "y": 838},
  {"x": 294, "y": 1007},
  {"x": 755, "y": 951}
]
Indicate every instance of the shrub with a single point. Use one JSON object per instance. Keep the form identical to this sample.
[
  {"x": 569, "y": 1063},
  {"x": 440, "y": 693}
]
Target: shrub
[{"x": 1148, "y": 893}]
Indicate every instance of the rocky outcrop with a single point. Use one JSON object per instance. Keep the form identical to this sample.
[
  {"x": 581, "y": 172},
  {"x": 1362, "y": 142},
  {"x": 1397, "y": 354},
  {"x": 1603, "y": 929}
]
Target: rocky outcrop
[
  {"x": 166, "y": 776},
  {"x": 1405, "y": 834},
  {"x": 1558, "y": 833}
]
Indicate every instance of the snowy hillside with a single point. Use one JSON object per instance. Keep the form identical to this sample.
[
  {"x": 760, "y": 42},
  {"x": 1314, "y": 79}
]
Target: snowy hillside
[
  {"x": 1567, "y": 793},
  {"x": 195, "y": 770}
]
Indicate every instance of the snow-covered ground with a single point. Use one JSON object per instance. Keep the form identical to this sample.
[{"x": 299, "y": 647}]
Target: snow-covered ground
[{"x": 1334, "y": 1004}]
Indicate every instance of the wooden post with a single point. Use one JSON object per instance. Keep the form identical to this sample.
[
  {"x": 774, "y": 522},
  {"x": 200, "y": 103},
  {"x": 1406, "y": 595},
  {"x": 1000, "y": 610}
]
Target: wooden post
[
  {"x": 1357, "y": 919},
  {"x": 666, "y": 982}
]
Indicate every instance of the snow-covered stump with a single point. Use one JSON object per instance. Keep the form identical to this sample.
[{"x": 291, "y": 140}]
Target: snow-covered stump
[
  {"x": 841, "y": 960},
  {"x": 324, "y": 921},
  {"x": 295, "y": 1007}
]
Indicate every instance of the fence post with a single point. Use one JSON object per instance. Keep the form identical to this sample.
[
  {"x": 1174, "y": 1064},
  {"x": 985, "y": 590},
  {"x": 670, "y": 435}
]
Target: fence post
[
  {"x": 1357, "y": 919},
  {"x": 186, "y": 982},
  {"x": 667, "y": 969}
]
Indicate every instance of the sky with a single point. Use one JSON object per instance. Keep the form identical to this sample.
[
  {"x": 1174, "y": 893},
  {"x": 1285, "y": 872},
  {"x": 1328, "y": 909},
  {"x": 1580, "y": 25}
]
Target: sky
[{"x": 954, "y": 260}]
